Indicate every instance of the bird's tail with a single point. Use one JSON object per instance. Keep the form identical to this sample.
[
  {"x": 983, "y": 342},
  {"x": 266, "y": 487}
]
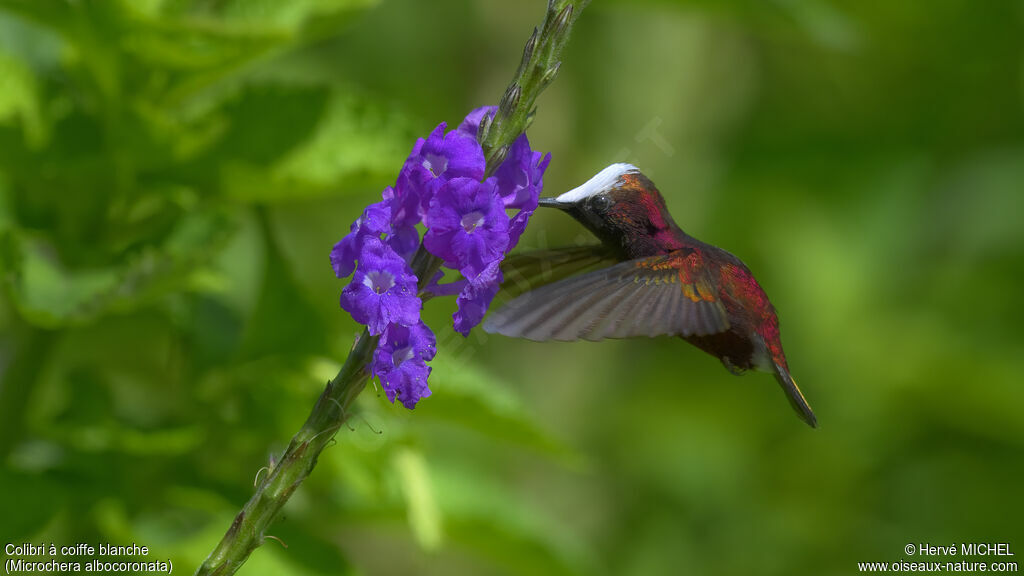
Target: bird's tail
[{"x": 796, "y": 397}]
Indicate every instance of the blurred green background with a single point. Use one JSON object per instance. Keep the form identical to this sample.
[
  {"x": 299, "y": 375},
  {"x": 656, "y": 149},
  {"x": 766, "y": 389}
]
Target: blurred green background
[{"x": 173, "y": 174}]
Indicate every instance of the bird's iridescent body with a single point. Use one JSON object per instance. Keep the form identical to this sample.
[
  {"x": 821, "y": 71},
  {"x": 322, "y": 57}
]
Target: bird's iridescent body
[{"x": 683, "y": 286}]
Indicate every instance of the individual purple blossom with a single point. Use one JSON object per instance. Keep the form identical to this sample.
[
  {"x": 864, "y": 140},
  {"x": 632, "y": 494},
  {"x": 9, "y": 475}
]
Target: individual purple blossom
[
  {"x": 520, "y": 175},
  {"x": 400, "y": 362},
  {"x": 467, "y": 225},
  {"x": 520, "y": 180},
  {"x": 517, "y": 225},
  {"x": 404, "y": 241},
  {"x": 438, "y": 158},
  {"x": 471, "y": 125},
  {"x": 374, "y": 222},
  {"x": 435, "y": 288},
  {"x": 383, "y": 289},
  {"x": 476, "y": 297},
  {"x": 405, "y": 215},
  {"x": 377, "y": 219}
]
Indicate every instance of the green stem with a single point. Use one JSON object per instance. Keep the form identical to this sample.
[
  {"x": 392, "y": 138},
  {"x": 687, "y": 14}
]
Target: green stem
[
  {"x": 248, "y": 531},
  {"x": 537, "y": 70}
]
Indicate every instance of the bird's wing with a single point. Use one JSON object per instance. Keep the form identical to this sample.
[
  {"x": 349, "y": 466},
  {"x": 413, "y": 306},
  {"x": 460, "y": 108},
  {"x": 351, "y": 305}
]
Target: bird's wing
[
  {"x": 525, "y": 271},
  {"x": 668, "y": 295}
]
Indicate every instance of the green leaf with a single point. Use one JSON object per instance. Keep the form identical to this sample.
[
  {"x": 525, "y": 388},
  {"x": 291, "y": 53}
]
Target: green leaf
[
  {"x": 268, "y": 120},
  {"x": 424, "y": 515},
  {"x": 19, "y": 101},
  {"x": 484, "y": 515},
  {"x": 284, "y": 321},
  {"x": 49, "y": 295},
  {"x": 465, "y": 395},
  {"x": 44, "y": 293},
  {"x": 168, "y": 52},
  {"x": 356, "y": 141},
  {"x": 304, "y": 18}
]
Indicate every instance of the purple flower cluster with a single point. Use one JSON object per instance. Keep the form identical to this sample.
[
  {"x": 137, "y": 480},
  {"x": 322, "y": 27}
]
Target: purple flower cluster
[{"x": 468, "y": 226}]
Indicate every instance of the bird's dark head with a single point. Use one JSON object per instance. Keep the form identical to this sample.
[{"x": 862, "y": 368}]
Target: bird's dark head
[{"x": 624, "y": 209}]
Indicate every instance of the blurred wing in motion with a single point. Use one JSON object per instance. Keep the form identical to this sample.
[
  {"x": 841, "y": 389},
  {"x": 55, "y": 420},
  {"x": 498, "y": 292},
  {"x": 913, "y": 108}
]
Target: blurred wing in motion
[
  {"x": 527, "y": 271},
  {"x": 668, "y": 295}
]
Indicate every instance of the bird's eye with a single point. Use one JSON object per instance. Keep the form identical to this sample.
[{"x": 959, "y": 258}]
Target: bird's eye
[{"x": 600, "y": 203}]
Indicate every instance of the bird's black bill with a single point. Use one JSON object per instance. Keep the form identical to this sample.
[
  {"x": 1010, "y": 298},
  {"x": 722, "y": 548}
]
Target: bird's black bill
[{"x": 553, "y": 203}]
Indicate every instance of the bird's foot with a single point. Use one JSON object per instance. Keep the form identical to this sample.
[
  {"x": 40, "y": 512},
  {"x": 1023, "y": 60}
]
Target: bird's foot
[{"x": 736, "y": 370}]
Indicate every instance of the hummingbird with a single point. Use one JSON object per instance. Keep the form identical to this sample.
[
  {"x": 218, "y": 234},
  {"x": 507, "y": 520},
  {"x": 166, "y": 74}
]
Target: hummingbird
[{"x": 660, "y": 282}]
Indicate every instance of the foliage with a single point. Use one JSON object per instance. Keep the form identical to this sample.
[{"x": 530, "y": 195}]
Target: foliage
[{"x": 173, "y": 174}]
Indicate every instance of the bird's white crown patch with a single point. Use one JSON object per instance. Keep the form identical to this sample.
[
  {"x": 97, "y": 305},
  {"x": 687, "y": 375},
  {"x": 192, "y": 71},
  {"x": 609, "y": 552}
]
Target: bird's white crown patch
[{"x": 604, "y": 180}]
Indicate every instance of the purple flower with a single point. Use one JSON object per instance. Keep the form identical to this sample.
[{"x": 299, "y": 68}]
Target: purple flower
[
  {"x": 471, "y": 125},
  {"x": 518, "y": 225},
  {"x": 520, "y": 175},
  {"x": 440, "y": 185},
  {"x": 404, "y": 204},
  {"x": 404, "y": 241},
  {"x": 383, "y": 289},
  {"x": 374, "y": 222},
  {"x": 439, "y": 158},
  {"x": 400, "y": 362},
  {"x": 467, "y": 225},
  {"x": 476, "y": 297},
  {"x": 449, "y": 289},
  {"x": 520, "y": 180}
]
